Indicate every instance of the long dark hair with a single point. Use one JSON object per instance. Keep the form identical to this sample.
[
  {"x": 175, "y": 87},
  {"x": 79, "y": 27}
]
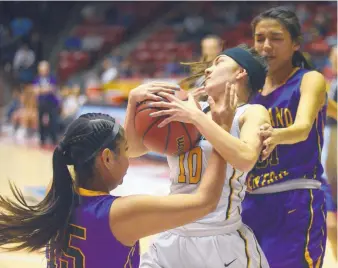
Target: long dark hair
[
  {"x": 289, "y": 20},
  {"x": 32, "y": 227}
]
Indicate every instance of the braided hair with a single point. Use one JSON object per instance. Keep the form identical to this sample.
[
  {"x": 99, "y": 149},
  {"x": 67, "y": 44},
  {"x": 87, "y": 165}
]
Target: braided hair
[{"x": 32, "y": 227}]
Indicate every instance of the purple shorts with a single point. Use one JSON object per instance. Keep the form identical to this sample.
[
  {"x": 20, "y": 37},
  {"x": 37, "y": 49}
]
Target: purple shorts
[{"x": 289, "y": 226}]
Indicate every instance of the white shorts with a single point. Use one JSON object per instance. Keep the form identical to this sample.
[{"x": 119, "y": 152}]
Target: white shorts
[{"x": 234, "y": 250}]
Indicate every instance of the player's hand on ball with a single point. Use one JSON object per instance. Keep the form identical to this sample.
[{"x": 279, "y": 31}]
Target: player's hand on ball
[
  {"x": 270, "y": 140},
  {"x": 176, "y": 109},
  {"x": 198, "y": 93},
  {"x": 149, "y": 91},
  {"x": 223, "y": 114}
]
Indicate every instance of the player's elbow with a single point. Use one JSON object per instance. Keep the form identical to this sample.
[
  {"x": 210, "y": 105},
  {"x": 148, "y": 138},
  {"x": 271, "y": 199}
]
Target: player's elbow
[
  {"x": 247, "y": 160},
  {"x": 304, "y": 131},
  {"x": 247, "y": 164},
  {"x": 208, "y": 203}
]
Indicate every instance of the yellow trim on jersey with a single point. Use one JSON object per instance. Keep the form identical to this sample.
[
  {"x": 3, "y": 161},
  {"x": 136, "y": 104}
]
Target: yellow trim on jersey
[
  {"x": 307, "y": 253},
  {"x": 257, "y": 247},
  {"x": 286, "y": 80},
  {"x": 248, "y": 261},
  {"x": 230, "y": 194},
  {"x": 320, "y": 260},
  {"x": 239, "y": 192},
  {"x": 85, "y": 192},
  {"x": 129, "y": 262}
]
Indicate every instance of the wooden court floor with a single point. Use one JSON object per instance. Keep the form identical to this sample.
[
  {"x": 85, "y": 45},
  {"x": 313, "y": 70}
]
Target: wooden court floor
[{"x": 29, "y": 167}]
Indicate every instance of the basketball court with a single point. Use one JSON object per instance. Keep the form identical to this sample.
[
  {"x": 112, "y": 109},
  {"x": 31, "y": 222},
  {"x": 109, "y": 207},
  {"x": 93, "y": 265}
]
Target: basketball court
[{"x": 30, "y": 168}]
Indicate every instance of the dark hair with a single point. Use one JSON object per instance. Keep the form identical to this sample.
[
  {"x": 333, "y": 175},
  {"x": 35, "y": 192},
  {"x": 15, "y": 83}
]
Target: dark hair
[
  {"x": 35, "y": 226},
  {"x": 261, "y": 61},
  {"x": 289, "y": 20},
  {"x": 200, "y": 67}
]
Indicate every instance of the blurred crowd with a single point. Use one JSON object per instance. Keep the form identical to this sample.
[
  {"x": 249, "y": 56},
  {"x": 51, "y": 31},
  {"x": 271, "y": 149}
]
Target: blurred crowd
[
  {"x": 43, "y": 108},
  {"x": 45, "y": 98}
]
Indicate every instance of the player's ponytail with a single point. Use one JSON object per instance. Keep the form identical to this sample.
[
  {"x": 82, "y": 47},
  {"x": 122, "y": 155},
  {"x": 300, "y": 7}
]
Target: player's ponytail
[
  {"x": 299, "y": 60},
  {"x": 32, "y": 227}
]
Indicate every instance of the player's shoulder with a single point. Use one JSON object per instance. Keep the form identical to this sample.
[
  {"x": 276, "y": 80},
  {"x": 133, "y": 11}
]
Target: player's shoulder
[
  {"x": 254, "y": 109},
  {"x": 99, "y": 204},
  {"x": 314, "y": 76},
  {"x": 313, "y": 79}
]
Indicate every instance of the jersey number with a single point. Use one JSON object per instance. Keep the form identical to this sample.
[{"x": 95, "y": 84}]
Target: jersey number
[
  {"x": 272, "y": 160},
  {"x": 74, "y": 232},
  {"x": 194, "y": 155}
]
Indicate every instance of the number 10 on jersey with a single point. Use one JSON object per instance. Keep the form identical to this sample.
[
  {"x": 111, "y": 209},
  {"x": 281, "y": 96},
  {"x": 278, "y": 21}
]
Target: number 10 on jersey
[{"x": 194, "y": 172}]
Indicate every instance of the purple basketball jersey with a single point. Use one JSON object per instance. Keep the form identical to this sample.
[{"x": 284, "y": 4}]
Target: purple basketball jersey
[
  {"x": 287, "y": 162},
  {"x": 90, "y": 242}
]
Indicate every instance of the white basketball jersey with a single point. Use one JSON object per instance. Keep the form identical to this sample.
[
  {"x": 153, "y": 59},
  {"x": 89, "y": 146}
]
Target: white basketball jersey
[{"x": 186, "y": 171}]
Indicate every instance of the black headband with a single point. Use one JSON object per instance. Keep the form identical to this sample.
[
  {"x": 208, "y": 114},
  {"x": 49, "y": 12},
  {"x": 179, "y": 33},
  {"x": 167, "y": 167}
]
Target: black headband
[{"x": 256, "y": 72}]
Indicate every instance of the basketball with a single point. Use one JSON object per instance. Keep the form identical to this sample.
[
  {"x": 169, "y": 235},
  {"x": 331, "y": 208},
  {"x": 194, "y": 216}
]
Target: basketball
[{"x": 172, "y": 139}]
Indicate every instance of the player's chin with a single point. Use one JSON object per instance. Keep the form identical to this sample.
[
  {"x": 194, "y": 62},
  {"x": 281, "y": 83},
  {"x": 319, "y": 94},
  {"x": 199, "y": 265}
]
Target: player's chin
[{"x": 211, "y": 89}]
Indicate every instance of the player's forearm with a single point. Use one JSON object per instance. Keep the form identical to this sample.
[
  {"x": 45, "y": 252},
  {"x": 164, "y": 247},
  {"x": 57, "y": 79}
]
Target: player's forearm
[
  {"x": 136, "y": 147},
  {"x": 233, "y": 150},
  {"x": 293, "y": 134},
  {"x": 212, "y": 182},
  {"x": 332, "y": 109}
]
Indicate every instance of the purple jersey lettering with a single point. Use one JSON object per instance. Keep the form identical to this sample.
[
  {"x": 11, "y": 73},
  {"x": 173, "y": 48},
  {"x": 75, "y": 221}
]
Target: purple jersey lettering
[
  {"x": 287, "y": 162},
  {"x": 89, "y": 240}
]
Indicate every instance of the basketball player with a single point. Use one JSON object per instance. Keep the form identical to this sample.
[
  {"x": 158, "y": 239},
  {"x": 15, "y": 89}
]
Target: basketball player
[
  {"x": 220, "y": 239},
  {"x": 211, "y": 47},
  {"x": 286, "y": 208},
  {"x": 329, "y": 157},
  {"x": 82, "y": 223}
]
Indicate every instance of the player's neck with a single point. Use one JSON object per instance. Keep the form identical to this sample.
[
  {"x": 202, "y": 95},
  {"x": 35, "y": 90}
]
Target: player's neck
[
  {"x": 95, "y": 185},
  {"x": 279, "y": 77},
  {"x": 241, "y": 100}
]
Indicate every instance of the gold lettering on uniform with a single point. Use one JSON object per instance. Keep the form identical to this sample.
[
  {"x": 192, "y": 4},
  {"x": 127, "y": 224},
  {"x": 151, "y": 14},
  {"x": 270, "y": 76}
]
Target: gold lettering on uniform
[
  {"x": 180, "y": 144},
  {"x": 288, "y": 117},
  {"x": 264, "y": 179},
  {"x": 255, "y": 182},
  {"x": 271, "y": 117},
  {"x": 280, "y": 175},
  {"x": 272, "y": 177},
  {"x": 279, "y": 118}
]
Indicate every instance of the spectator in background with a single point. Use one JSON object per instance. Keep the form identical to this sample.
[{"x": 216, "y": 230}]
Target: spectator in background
[
  {"x": 4, "y": 34},
  {"x": 24, "y": 119},
  {"x": 302, "y": 13},
  {"x": 211, "y": 46},
  {"x": 329, "y": 156},
  {"x": 125, "y": 70},
  {"x": 110, "y": 72},
  {"x": 321, "y": 23},
  {"x": 115, "y": 57},
  {"x": 14, "y": 105},
  {"x": 21, "y": 26},
  {"x": 172, "y": 67},
  {"x": 48, "y": 103},
  {"x": 92, "y": 42},
  {"x": 23, "y": 63},
  {"x": 72, "y": 101},
  {"x": 193, "y": 26},
  {"x": 37, "y": 46}
]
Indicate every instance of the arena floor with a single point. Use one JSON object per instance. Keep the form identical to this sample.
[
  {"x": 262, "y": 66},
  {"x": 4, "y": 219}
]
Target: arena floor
[{"x": 30, "y": 169}]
